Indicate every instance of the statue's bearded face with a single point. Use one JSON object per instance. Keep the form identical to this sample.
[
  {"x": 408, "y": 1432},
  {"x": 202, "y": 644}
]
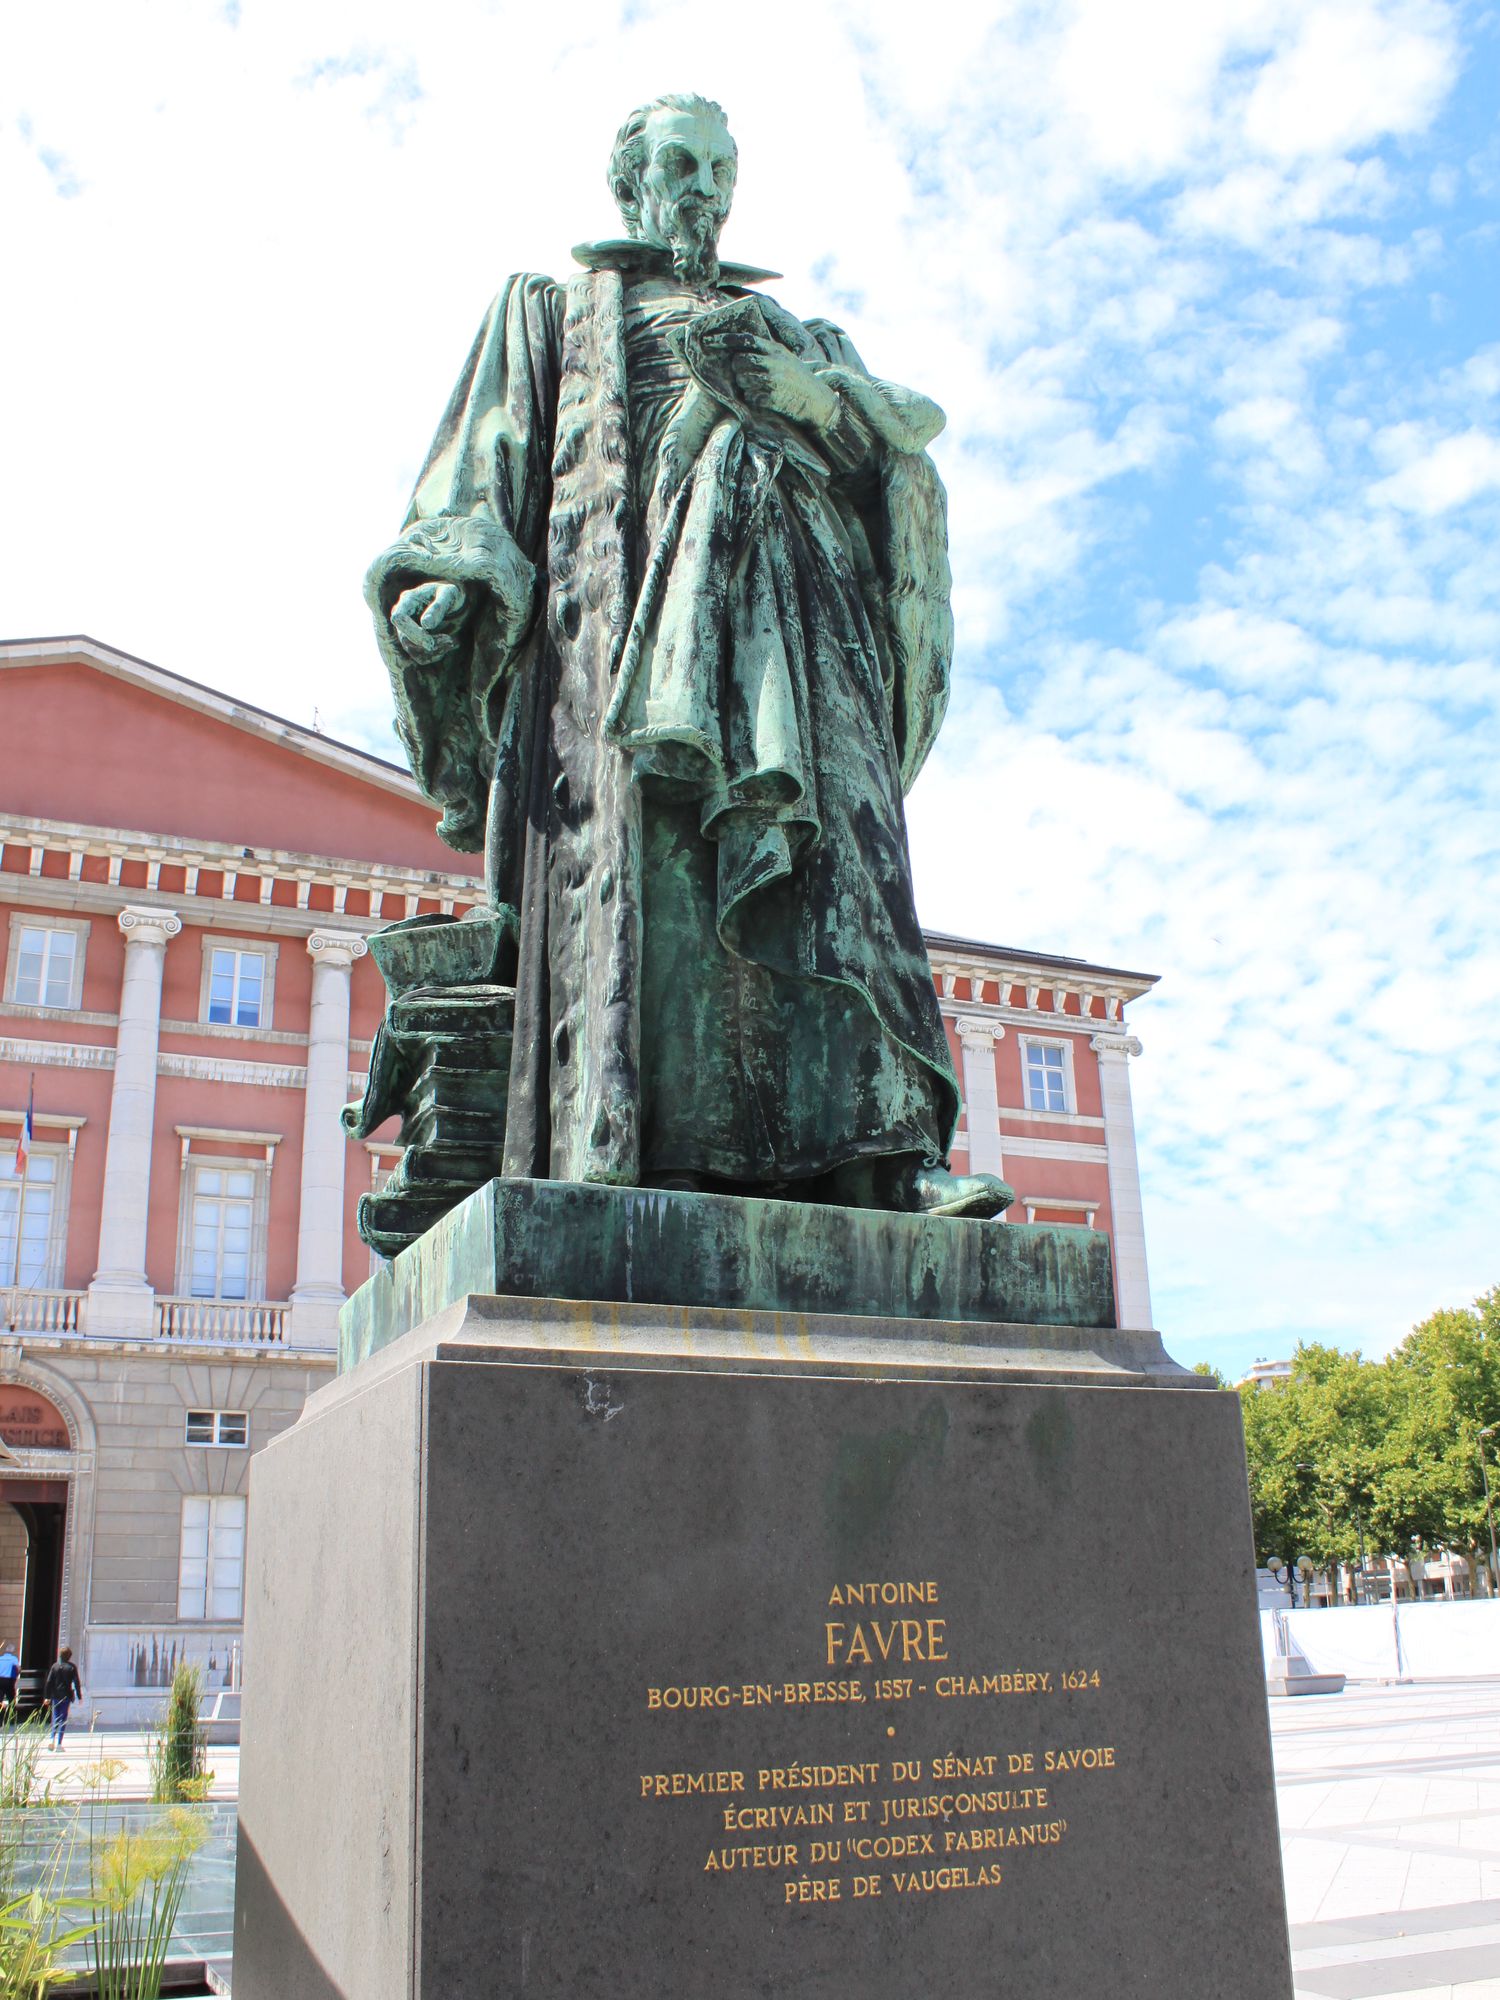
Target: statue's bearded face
[{"x": 685, "y": 188}]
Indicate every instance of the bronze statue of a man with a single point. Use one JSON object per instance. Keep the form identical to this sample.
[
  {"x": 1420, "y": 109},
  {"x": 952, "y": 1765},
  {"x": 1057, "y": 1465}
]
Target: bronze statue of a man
[{"x": 669, "y": 630}]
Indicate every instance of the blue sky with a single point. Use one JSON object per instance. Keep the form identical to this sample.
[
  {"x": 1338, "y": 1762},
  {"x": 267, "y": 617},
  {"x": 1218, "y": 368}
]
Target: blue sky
[{"x": 1208, "y": 289}]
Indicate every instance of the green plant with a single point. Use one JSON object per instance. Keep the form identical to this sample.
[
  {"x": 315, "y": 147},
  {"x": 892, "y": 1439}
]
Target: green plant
[
  {"x": 35, "y": 1933},
  {"x": 177, "y": 1751},
  {"x": 20, "y": 1750},
  {"x": 95, "y": 1780},
  {"x": 138, "y": 1881}
]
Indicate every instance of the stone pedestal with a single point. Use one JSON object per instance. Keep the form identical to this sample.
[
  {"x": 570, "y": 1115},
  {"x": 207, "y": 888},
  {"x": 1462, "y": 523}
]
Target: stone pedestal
[
  {"x": 600, "y": 1650},
  {"x": 567, "y": 1240}
]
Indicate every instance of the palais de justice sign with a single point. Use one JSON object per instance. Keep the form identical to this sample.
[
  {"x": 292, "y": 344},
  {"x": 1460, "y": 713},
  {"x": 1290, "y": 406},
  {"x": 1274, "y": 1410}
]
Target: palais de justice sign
[{"x": 28, "y": 1422}]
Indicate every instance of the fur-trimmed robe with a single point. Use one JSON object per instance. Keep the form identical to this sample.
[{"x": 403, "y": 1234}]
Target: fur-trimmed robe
[{"x": 686, "y": 756}]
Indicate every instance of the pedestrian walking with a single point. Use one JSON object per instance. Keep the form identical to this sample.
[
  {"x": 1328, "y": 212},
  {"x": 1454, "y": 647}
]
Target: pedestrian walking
[
  {"x": 10, "y": 1669},
  {"x": 61, "y": 1689}
]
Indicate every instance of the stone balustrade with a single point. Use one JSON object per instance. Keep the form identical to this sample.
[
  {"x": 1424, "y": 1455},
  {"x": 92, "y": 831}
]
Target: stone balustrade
[
  {"x": 28, "y": 1309},
  {"x": 259, "y": 1322}
]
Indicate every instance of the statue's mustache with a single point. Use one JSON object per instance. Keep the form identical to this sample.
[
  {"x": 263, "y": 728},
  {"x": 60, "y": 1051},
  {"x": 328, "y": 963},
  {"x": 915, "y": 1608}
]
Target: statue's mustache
[{"x": 695, "y": 210}]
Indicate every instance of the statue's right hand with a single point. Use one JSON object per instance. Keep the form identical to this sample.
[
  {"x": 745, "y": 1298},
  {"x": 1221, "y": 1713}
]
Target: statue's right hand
[{"x": 426, "y": 619}]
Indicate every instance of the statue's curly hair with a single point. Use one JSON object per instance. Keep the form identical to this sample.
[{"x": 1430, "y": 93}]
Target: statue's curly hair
[{"x": 628, "y": 155}]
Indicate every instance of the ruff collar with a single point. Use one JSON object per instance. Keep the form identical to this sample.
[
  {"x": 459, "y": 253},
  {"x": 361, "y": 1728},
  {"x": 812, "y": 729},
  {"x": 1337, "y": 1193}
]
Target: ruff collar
[{"x": 629, "y": 253}]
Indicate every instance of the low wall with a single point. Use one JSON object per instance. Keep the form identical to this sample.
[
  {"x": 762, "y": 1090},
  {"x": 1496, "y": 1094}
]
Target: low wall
[{"x": 1374, "y": 1642}]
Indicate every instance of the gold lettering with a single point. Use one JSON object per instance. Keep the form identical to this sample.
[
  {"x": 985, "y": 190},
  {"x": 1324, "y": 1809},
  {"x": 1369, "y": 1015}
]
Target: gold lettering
[
  {"x": 1092, "y": 1758},
  {"x": 810, "y": 1890},
  {"x": 689, "y": 1784},
  {"x": 927, "y": 1881},
  {"x": 725, "y": 1860},
  {"x": 766, "y": 1819},
  {"x": 815, "y": 1777},
  {"x": 963, "y": 1767},
  {"x": 689, "y": 1697}
]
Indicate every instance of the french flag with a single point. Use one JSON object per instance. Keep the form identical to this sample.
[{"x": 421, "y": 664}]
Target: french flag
[{"x": 23, "y": 1144}]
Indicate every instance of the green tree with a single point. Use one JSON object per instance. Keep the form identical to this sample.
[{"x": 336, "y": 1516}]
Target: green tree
[
  {"x": 1312, "y": 1444},
  {"x": 1388, "y": 1453},
  {"x": 1443, "y": 1391}
]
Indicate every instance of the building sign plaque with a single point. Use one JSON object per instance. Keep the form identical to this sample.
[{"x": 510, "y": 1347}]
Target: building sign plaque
[{"x": 28, "y": 1422}]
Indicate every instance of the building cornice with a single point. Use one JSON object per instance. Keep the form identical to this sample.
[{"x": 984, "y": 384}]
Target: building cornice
[
  {"x": 966, "y": 955},
  {"x": 393, "y": 892},
  {"x": 1042, "y": 1020},
  {"x": 267, "y": 1352},
  {"x": 169, "y": 1062},
  {"x": 1099, "y": 997}
]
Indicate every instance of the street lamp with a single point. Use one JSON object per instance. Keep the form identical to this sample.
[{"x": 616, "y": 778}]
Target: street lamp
[
  {"x": 1287, "y": 1573},
  {"x": 1489, "y": 1512}
]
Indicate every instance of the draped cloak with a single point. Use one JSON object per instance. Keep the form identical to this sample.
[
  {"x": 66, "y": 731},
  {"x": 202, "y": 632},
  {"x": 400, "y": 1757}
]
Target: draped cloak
[{"x": 685, "y": 753}]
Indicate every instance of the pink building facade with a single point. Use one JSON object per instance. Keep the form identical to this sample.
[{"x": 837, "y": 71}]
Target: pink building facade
[{"x": 186, "y": 888}]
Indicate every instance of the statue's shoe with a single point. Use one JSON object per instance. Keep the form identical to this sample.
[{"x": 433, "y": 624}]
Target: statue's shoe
[{"x": 938, "y": 1192}]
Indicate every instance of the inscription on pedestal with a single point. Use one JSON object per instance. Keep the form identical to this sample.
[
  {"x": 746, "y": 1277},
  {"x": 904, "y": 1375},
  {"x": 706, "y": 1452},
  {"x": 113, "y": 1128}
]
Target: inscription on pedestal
[{"x": 887, "y": 1825}]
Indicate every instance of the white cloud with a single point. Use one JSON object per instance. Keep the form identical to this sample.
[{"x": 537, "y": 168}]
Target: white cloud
[
  {"x": 1354, "y": 72},
  {"x": 1452, "y": 472}
]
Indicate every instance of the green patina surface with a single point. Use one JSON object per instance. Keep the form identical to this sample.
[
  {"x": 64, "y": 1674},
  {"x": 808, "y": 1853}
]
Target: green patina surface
[
  {"x": 570, "y": 1240},
  {"x": 669, "y": 634}
]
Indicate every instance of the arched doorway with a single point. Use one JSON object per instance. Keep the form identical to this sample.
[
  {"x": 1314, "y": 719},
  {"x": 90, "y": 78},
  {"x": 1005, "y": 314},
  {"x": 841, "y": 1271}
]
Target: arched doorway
[
  {"x": 15, "y": 1545},
  {"x": 33, "y": 1533},
  {"x": 41, "y": 1507}
]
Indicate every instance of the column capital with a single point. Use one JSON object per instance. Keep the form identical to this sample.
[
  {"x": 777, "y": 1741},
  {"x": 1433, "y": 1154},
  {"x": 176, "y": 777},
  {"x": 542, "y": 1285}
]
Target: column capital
[
  {"x": 339, "y": 948},
  {"x": 979, "y": 1031},
  {"x": 142, "y": 924},
  {"x": 1115, "y": 1045}
]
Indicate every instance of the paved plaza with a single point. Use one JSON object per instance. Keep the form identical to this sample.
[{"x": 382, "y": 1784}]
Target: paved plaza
[
  {"x": 1390, "y": 1821},
  {"x": 96, "y": 1760},
  {"x": 1390, "y": 1818}
]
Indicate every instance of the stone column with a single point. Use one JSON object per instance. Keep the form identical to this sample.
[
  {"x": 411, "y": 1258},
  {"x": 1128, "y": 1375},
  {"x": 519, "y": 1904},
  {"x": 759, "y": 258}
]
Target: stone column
[
  {"x": 977, "y": 1037},
  {"x": 1132, "y": 1288},
  {"x": 120, "y": 1299},
  {"x": 319, "y": 1290}
]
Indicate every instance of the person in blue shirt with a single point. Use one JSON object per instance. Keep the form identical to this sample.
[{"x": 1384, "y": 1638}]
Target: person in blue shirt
[{"x": 10, "y": 1667}]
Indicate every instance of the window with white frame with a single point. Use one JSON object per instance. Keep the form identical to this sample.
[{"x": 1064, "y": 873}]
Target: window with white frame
[
  {"x": 223, "y": 1252},
  {"x": 237, "y": 983},
  {"x": 218, "y": 1427},
  {"x": 211, "y": 1564},
  {"x": 33, "y": 1216},
  {"x": 45, "y": 967},
  {"x": 1046, "y": 1069}
]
